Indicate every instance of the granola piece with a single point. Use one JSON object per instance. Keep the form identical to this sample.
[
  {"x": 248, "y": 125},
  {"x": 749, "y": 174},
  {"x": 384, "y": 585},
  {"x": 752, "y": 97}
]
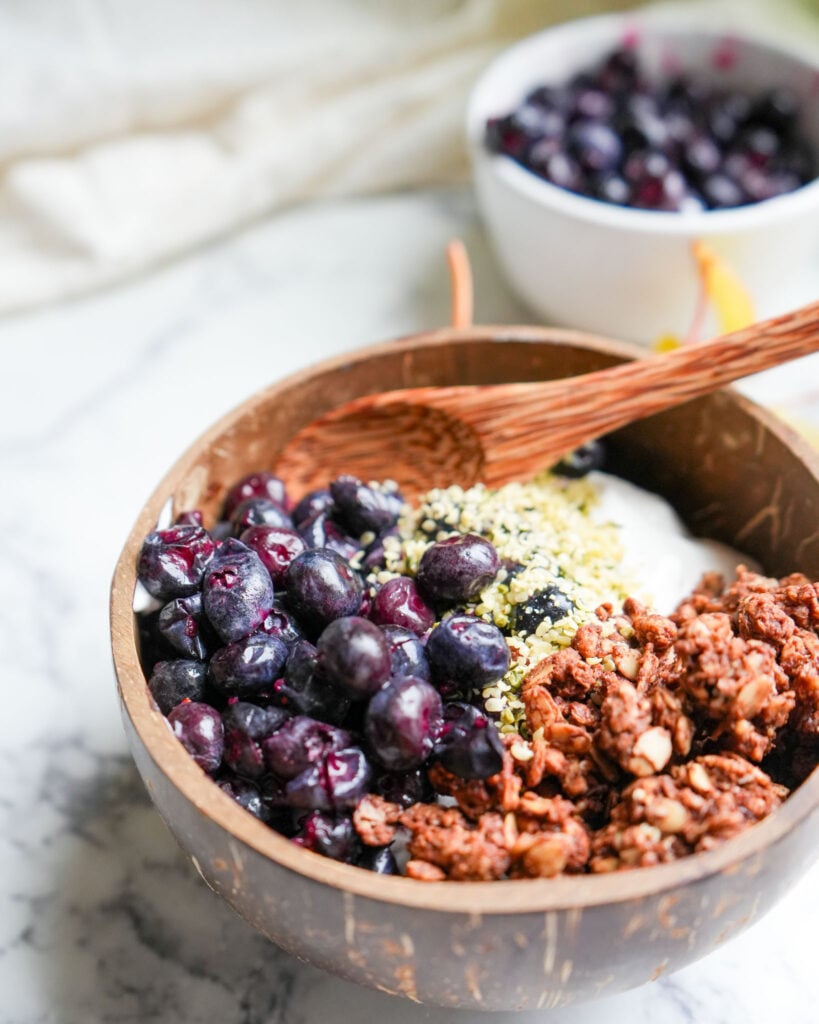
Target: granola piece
[
  {"x": 800, "y": 599},
  {"x": 736, "y": 684},
  {"x": 650, "y": 627},
  {"x": 462, "y": 850},
  {"x": 567, "y": 675},
  {"x": 550, "y": 838},
  {"x": 375, "y": 820},
  {"x": 697, "y": 806},
  {"x": 627, "y": 733},
  {"x": 668, "y": 711},
  {"x": 762, "y": 617},
  {"x": 544, "y": 712},
  {"x": 799, "y": 659},
  {"x": 423, "y": 871},
  {"x": 473, "y": 796}
]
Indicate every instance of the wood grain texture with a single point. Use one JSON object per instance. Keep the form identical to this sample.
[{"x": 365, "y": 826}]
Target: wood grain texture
[
  {"x": 432, "y": 436},
  {"x": 731, "y": 469}
]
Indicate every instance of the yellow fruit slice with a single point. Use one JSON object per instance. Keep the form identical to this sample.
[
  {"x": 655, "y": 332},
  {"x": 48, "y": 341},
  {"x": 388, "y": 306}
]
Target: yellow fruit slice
[{"x": 728, "y": 295}]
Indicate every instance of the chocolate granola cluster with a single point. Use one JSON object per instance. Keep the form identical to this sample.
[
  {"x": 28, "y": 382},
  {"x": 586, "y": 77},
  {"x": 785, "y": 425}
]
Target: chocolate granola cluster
[{"x": 650, "y": 738}]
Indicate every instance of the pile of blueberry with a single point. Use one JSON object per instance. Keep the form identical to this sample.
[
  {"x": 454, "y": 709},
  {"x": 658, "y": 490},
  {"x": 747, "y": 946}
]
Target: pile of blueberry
[
  {"x": 680, "y": 145},
  {"x": 298, "y": 685}
]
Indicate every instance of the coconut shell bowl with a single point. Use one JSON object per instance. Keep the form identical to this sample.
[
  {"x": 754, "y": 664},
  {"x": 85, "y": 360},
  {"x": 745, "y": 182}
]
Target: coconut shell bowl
[{"x": 732, "y": 471}]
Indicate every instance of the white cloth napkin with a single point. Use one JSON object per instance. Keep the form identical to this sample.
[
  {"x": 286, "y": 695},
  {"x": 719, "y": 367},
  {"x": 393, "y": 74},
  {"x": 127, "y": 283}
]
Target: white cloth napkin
[{"x": 132, "y": 131}]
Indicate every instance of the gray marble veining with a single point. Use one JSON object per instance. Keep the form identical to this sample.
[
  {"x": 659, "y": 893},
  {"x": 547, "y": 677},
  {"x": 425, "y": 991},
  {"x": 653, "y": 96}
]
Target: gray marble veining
[{"x": 102, "y": 921}]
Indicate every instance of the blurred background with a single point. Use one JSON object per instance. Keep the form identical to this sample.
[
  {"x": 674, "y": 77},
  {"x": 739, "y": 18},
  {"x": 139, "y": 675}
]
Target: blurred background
[{"x": 196, "y": 198}]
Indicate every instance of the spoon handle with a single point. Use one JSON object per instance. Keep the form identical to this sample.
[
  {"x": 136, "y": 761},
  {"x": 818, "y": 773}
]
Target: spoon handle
[{"x": 533, "y": 424}]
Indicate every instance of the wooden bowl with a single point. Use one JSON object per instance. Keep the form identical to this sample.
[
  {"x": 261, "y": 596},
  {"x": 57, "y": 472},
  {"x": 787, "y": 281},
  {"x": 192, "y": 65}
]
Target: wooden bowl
[{"x": 733, "y": 472}]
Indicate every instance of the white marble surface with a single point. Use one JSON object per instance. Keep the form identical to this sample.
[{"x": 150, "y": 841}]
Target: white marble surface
[{"x": 102, "y": 920}]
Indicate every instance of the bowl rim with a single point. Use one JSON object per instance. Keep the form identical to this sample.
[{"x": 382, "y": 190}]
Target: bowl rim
[
  {"x": 472, "y": 898},
  {"x": 514, "y": 176}
]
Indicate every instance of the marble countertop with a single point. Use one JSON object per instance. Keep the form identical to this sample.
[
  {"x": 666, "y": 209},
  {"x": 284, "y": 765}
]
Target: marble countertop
[{"x": 102, "y": 919}]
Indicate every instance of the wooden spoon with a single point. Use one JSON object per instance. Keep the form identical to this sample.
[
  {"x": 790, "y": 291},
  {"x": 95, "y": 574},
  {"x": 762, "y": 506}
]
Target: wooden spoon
[{"x": 436, "y": 436}]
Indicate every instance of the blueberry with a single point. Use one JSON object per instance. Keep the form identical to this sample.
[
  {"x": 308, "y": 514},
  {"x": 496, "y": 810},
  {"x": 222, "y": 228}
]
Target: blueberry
[
  {"x": 172, "y": 562},
  {"x": 249, "y": 665},
  {"x": 185, "y": 627},
  {"x": 258, "y": 512},
  {"x": 778, "y": 109},
  {"x": 402, "y": 722},
  {"x": 172, "y": 682},
  {"x": 466, "y": 653},
  {"x": 199, "y": 729},
  {"x": 306, "y": 689},
  {"x": 255, "y": 485},
  {"x": 246, "y": 725},
  {"x": 582, "y": 460},
  {"x": 457, "y": 569},
  {"x": 321, "y": 587},
  {"x": 398, "y": 603},
  {"x": 379, "y": 859},
  {"x": 301, "y": 742},
  {"x": 332, "y": 835},
  {"x": 362, "y": 509},
  {"x": 549, "y": 603},
  {"x": 191, "y": 518},
  {"x": 404, "y": 788},
  {"x": 276, "y": 546},
  {"x": 594, "y": 145},
  {"x": 282, "y": 623},
  {"x": 237, "y": 591},
  {"x": 469, "y": 745},
  {"x": 407, "y": 655},
  {"x": 338, "y": 780},
  {"x": 312, "y": 502},
  {"x": 320, "y": 531},
  {"x": 355, "y": 655},
  {"x": 246, "y": 794},
  {"x": 722, "y": 192}
]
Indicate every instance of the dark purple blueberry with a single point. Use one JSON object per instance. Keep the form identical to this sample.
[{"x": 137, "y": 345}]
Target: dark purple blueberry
[
  {"x": 595, "y": 146},
  {"x": 777, "y": 109},
  {"x": 375, "y": 556},
  {"x": 721, "y": 192},
  {"x": 402, "y": 722},
  {"x": 282, "y": 623},
  {"x": 198, "y": 727},
  {"x": 593, "y": 104},
  {"x": 301, "y": 742},
  {"x": 355, "y": 655},
  {"x": 306, "y": 689},
  {"x": 246, "y": 795},
  {"x": 701, "y": 156},
  {"x": 172, "y": 682},
  {"x": 258, "y": 512},
  {"x": 153, "y": 646},
  {"x": 655, "y": 184},
  {"x": 398, "y": 603},
  {"x": 550, "y": 603},
  {"x": 185, "y": 627},
  {"x": 505, "y": 137},
  {"x": 466, "y": 653},
  {"x": 249, "y": 665},
  {"x": 541, "y": 153},
  {"x": 619, "y": 71},
  {"x": 407, "y": 655},
  {"x": 611, "y": 188},
  {"x": 173, "y": 561},
  {"x": 339, "y": 780},
  {"x": 469, "y": 745},
  {"x": 312, "y": 502},
  {"x": 320, "y": 531},
  {"x": 404, "y": 788},
  {"x": 565, "y": 172},
  {"x": 456, "y": 569},
  {"x": 379, "y": 859},
  {"x": 725, "y": 115},
  {"x": 321, "y": 587},
  {"x": 361, "y": 509},
  {"x": 192, "y": 518},
  {"x": 332, "y": 835},
  {"x": 582, "y": 460},
  {"x": 246, "y": 725},
  {"x": 277, "y": 546},
  {"x": 237, "y": 591},
  {"x": 798, "y": 157},
  {"x": 254, "y": 485}
]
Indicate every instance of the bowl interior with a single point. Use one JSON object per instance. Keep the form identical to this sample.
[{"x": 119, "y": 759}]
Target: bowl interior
[{"x": 734, "y": 473}]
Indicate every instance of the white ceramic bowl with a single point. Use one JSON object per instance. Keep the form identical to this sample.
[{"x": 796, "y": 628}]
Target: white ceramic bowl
[{"x": 629, "y": 272}]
